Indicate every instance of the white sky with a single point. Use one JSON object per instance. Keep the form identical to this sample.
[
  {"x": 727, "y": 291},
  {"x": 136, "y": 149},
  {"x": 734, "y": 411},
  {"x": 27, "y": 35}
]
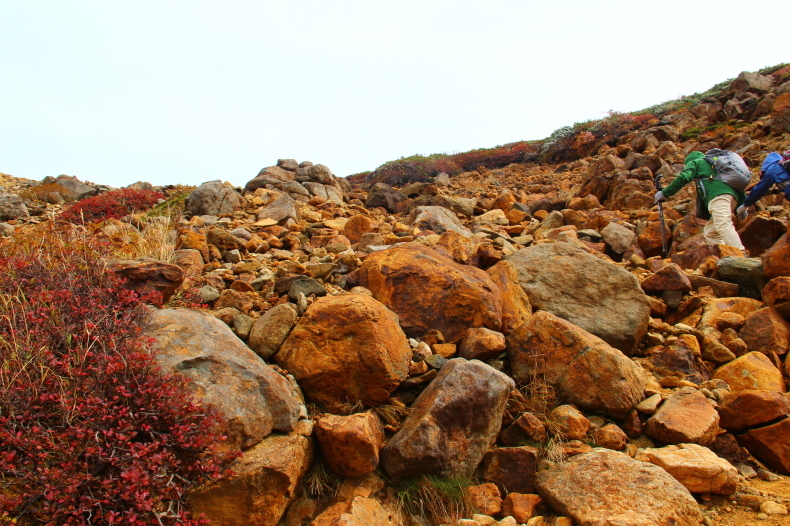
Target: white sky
[{"x": 189, "y": 91}]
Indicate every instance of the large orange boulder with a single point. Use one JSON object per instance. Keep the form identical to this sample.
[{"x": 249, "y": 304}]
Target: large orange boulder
[
  {"x": 430, "y": 291},
  {"x": 751, "y": 371},
  {"x": 585, "y": 370},
  {"x": 346, "y": 349}
]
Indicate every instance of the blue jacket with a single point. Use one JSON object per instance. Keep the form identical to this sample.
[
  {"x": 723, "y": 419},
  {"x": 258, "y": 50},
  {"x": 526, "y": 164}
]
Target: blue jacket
[{"x": 772, "y": 173}]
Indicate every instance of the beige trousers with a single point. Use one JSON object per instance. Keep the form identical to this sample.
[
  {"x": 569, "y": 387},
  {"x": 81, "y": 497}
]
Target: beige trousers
[{"x": 719, "y": 230}]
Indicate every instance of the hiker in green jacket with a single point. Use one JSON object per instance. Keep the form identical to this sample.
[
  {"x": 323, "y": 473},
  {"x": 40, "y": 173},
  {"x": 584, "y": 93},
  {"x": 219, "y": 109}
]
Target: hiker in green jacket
[{"x": 719, "y": 198}]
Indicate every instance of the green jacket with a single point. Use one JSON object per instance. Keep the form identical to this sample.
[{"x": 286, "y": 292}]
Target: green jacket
[{"x": 698, "y": 168}]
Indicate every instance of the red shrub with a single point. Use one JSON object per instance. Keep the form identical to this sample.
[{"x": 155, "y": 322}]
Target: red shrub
[
  {"x": 91, "y": 433},
  {"x": 110, "y": 205}
]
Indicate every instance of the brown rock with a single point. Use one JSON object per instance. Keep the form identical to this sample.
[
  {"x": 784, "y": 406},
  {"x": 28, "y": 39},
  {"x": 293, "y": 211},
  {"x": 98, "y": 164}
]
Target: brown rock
[
  {"x": 190, "y": 261},
  {"x": 583, "y": 369},
  {"x": 761, "y": 233},
  {"x": 770, "y": 444},
  {"x": 526, "y": 427},
  {"x": 511, "y": 468},
  {"x": 240, "y": 301},
  {"x": 224, "y": 372},
  {"x": 267, "y": 476},
  {"x": 413, "y": 280},
  {"x": 452, "y": 423},
  {"x": 671, "y": 277},
  {"x": 358, "y": 225},
  {"x": 776, "y": 294},
  {"x": 270, "y": 330},
  {"x": 516, "y": 308},
  {"x": 722, "y": 289},
  {"x": 696, "y": 467},
  {"x": 750, "y": 408},
  {"x": 608, "y": 488},
  {"x": 751, "y": 371},
  {"x": 776, "y": 260},
  {"x": 766, "y": 331},
  {"x": 682, "y": 359},
  {"x": 780, "y": 114},
  {"x": 485, "y": 498},
  {"x": 445, "y": 350},
  {"x": 482, "y": 344},
  {"x": 520, "y": 506},
  {"x": 568, "y": 422},
  {"x": 351, "y": 444},
  {"x": 649, "y": 240},
  {"x": 686, "y": 416},
  {"x": 145, "y": 276},
  {"x": 346, "y": 349},
  {"x": 609, "y": 436},
  {"x": 358, "y": 511},
  {"x": 596, "y": 295}
]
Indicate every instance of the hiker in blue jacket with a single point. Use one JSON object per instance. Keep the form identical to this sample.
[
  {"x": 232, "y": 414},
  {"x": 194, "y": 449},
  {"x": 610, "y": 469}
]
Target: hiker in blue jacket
[{"x": 775, "y": 171}]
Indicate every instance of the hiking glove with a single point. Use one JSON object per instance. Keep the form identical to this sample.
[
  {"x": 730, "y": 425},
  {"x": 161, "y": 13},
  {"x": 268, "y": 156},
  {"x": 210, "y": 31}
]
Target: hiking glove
[
  {"x": 742, "y": 212},
  {"x": 659, "y": 196}
]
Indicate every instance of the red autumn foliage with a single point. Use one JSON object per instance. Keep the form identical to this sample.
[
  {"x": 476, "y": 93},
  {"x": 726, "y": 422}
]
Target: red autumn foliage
[
  {"x": 91, "y": 432},
  {"x": 111, "y": 205}
]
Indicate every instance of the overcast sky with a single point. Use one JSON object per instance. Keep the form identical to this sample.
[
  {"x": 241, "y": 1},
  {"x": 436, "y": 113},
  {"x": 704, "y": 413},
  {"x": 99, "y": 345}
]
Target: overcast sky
[{"x": 184, "y": 92}]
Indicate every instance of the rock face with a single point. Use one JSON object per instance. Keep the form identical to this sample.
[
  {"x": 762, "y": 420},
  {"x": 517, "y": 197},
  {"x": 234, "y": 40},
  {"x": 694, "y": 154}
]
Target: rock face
[
  {"x": 453, "y": 422},
  {"x": 264, "y": 482},
  {"x": 686, "y": 416},
  {"x": 413, "y": 280},
  {"x": 224, "y": 372},
  {"x": 598, "y": 296},
  {"x": 346, "y": 349},
  {"x": 609, "y": 488},
  {"x": 696, "y": 467},
  {"x": 214, "y": 198},
  {"x": 584, "y": 369}
]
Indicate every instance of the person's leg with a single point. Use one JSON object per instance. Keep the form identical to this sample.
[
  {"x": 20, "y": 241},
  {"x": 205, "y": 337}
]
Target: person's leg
[
  {"x": 711, "y": 235},
  {"x": 721, "y": 208}
]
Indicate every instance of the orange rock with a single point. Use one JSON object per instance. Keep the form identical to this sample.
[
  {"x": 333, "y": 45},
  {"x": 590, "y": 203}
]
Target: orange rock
[
  {"x": 351, "y": 444},
  {"x": 766, "y": 331},
  {"x": 569, "y": 422},
  {"x": 515, "y": 302},
  {"x": 686, "y": 416},
  {"x": 481, "y": 344},
  {"x": 521, "y": 506},
  {"x": 236, "y": 300},
  {"x": 776, "y": 294},
  {"x": 649, "y": 240},
  {"x": 776, "y": 260},
  {"x": 145, "y": 276},
  {"x": 358, "y": 225},
  {"x": 671, "y": 277},
  {"x": 346, "y": 349},
  {"x": 610, "y": 436},
  {"x": 485, "y": 498},
  {"x": 526, "y": 427},
  {"x": 750, "y": 408},
  {"x": 751, "y": 371},
  {"x": 761, "y": 233},
  {"x": 445, "y": 350},
  {"x": 770, "y": 444},
  {"x": 430, "y": 291}
]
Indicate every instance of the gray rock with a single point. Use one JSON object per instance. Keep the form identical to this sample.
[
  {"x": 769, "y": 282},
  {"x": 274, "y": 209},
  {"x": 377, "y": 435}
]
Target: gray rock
[
  {"x": 437, "y": 219},
  {"x": 442, "y": 179},
  {"x": 318, "y": 173},
  {"x": 598, "y": 296},
  {"x": 224, "y": 372},
  {"x": 746, "y": 272},
  {"x": 12, "y": 207},
  {"x": 214, "y": 198},
  {"x": 271, "y": 329},
  {"x": 453, "y": 422},
  {"x": 618, "y": 237},
  {"x": 6, "y": 230},
  {"x": 288, "y": 164},
  {"x": 280, "y": 209},
  {"x": 609, "y": 488},
  {"x": 208, "y": 294},
  {"x": 74, "y": 189},
  {"x": 462, "y": 205},
  {"x": 306, "y": 286},
  {"x": 384, "y": 196}
]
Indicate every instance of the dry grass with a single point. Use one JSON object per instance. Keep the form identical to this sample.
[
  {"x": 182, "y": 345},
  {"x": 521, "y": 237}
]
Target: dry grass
[
  {"x": 151, "y": 238},
  {"x": 438, "y": 500}
]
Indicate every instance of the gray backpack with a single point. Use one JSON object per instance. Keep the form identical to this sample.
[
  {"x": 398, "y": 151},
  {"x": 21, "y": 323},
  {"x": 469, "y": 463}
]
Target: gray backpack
[{"x": 730, "y": 168}]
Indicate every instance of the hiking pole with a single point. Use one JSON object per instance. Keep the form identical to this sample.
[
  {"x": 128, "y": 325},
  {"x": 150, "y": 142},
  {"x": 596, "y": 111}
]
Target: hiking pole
[{"x": 661, "y": 218}]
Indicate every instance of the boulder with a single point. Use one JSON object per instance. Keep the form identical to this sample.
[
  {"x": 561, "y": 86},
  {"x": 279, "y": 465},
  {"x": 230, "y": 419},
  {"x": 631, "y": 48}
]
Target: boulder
[
  {"x": 776, "y": 294},
  {"x": 766, "y": 331},
  {"x": 12, "y": 207},
  {"x": 384, "y": 196},
  {"x": 770, "y": 444},
  {"x": 481, "y": 344},
  {"x": 746, "y": 272},
  {"x": 358, "y": 225},
  {"x": 596, "y": 295},
  {"x": 568, "y": 422},
  {"x": 748, "y": 82},
  {"x": 214, "y": 198},
  {"x": 750, "y": 408},
  {"x": 780, "y": 114},
  {"x": 510, "y": 468},
  {"x": 685, "y": 416},
  {"x": 270, "y": 330},
  {"x": 670, "y": 277},
  {"x": 436, "y": 219},
  {"x": 753, "y": 370},
  {"x": 358, "y": 511},
  {"x": 74, "y": 189},
  {"x": 346, "y": 349},
  {"x": 145, "y": 275},
  {"x": 515, "y": 303},
  {"x": 584, "y": 369},
  {"x": 351, "y": 444},
  {"x": 696, "y": 467},
  {"x": 485, "y": 498},
  {"x": 609, "y": 436},
  {"x": 264, "y": 482},
  {"x": 618, "y": 237},
  {"x": 520, "y": 506},
  {"x": 280, "y": 209},
  {"x": 414, "y": 280},
  {"x": 761, "y": 233},
  {"x": 224, "y": 372},
  {"x": 609, "y": 488},
  {"x": 453, "y": 422}
]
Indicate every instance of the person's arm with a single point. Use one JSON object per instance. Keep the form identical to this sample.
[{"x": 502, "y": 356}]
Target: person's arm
[
  {"x": 760, "y": 189},
  {"x": 682, "y": 179}
]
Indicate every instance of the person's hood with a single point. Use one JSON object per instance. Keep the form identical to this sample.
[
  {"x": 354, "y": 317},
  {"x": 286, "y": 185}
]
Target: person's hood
[{"x": 694, "y": 156}]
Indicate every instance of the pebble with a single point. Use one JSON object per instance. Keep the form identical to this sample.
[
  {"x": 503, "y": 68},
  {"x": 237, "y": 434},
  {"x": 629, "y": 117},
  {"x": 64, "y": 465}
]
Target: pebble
[{"x": 770, "y": 507}]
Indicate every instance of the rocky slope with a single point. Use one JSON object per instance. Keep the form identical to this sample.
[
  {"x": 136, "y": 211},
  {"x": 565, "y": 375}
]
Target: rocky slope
[{"x": 518, "y": 326}]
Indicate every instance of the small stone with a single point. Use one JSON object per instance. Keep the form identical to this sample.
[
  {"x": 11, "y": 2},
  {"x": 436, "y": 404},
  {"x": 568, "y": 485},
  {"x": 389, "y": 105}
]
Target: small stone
[
  {"x": 649, "y": 405},
  {"x": 484, "y": 520},
  {"x": 762, "y": 516},
  {"x": 467, "y": 522},
  {"x": 508, "y": 521},
  {"x": 770, "y": 507}
]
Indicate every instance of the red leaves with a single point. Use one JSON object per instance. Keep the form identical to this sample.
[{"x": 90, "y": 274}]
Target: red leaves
[
  {"x": 90, "y": 431},
  {"x": 110, "y": 205}
]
